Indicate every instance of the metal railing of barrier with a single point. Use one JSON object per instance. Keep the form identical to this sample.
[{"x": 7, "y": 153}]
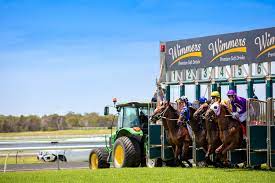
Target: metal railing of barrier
[
  {"x": 9, "y": 150},
  {"x": 271, "y": 124},
  {"x": 256, "y": 116},
  {"x": 261, "y": 113}
]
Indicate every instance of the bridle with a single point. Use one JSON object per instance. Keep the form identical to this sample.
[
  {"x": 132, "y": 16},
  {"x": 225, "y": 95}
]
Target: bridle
[
  {"x": 161, "y": 115},
  {"x": 201, "y": 113}
]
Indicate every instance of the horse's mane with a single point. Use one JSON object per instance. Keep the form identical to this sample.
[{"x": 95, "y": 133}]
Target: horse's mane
[
  {"x": 226, "y": 109},
  {"x": 193, "y": 109},
  {"x": 228, "y": 112},
  {"x": 173, "y": 110}
]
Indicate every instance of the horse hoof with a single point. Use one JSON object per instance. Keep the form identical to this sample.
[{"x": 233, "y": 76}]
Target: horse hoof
[
  {"x": 183, "y": 166},
  {"x": 256, "y": 167}
]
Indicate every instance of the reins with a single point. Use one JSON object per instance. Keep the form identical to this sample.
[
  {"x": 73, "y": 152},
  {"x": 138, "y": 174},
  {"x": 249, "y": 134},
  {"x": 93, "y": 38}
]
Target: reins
[{"x": 162, "y": 115}]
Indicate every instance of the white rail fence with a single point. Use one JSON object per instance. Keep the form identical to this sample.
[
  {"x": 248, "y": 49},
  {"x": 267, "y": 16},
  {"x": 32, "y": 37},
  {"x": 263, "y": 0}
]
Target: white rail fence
[{"x": 46, "y": 146}]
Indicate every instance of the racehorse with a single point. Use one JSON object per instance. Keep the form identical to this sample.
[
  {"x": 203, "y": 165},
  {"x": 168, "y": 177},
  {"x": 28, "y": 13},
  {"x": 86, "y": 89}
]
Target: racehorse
[
  {"x": 212, "y": 132},
  {"x": 197, "y": 124},
  {"x": 177, "y": 136},
  {"x": 230, "y": 130}
]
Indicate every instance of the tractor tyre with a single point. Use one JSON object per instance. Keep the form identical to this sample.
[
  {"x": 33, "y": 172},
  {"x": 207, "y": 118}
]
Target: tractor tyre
[
  {"x": 126, "y": 152},
  {"x": 98, "y": 159}
]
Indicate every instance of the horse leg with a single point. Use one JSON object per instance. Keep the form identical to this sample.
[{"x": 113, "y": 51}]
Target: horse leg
[
  {"x": 227, "y": 148},
  {"x": 208, "y": 151},
  {"x": 185, "y": 153},
  {"x": 177, "y": 156},
  {"x": 219, "y": 149}
]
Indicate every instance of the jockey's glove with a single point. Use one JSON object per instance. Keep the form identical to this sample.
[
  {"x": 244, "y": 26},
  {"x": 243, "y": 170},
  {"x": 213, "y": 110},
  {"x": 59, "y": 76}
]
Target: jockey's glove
[{"x": 235, "y": 115}]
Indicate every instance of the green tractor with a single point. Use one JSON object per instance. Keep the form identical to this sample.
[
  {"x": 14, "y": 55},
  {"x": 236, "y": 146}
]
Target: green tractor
[{"x": 128, "y": 145}]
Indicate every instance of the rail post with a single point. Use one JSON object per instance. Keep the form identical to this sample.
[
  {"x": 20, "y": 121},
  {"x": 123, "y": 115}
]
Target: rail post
[{"x": 5, "y": 165}]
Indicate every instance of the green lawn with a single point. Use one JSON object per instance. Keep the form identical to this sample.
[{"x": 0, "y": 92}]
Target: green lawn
[
  {"x": 20, "y": 160},
  {"x": 130, "y": 175}
]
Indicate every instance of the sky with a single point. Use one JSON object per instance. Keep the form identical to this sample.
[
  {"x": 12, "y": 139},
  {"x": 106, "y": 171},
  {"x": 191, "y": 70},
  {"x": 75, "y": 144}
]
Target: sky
[{"x": 61, "y": 56}]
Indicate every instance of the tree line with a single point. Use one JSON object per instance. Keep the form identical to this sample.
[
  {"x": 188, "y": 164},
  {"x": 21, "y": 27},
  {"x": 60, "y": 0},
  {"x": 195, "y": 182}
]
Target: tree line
[{"x": 54, "y": 122}]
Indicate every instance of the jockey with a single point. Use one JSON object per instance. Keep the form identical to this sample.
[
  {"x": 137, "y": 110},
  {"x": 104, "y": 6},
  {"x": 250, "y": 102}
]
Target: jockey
[
  {"x": 202, "y": 100},
  {"x": 184, "y": 110},
  {"x": 215, "y": 97},
  {"x": 238, "y": 105}
]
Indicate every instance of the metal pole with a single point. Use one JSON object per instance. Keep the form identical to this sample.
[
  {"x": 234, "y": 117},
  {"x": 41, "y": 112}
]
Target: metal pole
[
  {"x": 214, "y": 87},
  {"x": 248, "y": 133},
  {"x": 5, "y": 165},
  {"x": 194, "y": 148},
  {"x": 182, "y": 90},
  {"x": 167, "y": 96},
  {"x": 58, "y": 163},
  {"x": 16, "y": 156},
  {"x": 198, "y": 91},
  {"x": 268, "y": 140}
]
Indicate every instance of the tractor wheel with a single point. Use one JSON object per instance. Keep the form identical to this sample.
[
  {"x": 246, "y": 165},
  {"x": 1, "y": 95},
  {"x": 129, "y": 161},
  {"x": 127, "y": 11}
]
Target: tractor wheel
[
  {"x": 98, "y": 159},
  {"x": 126, "y": 152}
]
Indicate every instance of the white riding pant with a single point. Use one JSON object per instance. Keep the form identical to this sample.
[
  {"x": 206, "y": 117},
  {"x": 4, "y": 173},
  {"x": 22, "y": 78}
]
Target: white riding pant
[{"x": 243, "y": 117}]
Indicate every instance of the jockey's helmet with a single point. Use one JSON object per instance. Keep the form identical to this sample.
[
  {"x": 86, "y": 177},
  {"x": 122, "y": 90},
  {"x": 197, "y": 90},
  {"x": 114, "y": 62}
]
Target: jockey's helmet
[
  {"x": 216, "y": 94},
  {"x": 231, "y": 93},
  {"x": 202, "y": 100},
  {"x": 182, "y": 99}
]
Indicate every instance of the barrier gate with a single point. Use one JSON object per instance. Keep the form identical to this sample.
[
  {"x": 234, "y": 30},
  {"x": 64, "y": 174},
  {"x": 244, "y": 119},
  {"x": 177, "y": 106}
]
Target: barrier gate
[
  {"x": 271, "y": 135},
  {"x": 260, "y": 138},
  {"x": 261, "y": 132},
  {"x": 158, "y": 146}
]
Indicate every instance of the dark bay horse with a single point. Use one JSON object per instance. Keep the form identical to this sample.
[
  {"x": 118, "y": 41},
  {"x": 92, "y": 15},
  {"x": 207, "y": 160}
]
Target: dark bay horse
[
  {"x": 177, "y": 136},
  {"x": 230, "y": 130},
  {"x": 197, "y": 124},
  {"x": 212, "y": 133}
]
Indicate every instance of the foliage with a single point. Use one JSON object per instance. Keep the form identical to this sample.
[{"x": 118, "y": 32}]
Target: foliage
[{"x": 53, "y": 122}]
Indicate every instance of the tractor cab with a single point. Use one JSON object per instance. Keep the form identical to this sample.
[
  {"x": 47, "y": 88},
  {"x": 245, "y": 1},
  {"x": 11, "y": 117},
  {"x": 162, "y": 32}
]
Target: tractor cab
[
  {"x": 128, "y": 144},
  {"x": 133, "y": 115}
]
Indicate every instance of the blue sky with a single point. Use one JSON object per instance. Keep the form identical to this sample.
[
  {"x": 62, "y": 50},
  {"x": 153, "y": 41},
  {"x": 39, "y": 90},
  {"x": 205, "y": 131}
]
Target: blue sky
[{"x": 60, "y": 56}]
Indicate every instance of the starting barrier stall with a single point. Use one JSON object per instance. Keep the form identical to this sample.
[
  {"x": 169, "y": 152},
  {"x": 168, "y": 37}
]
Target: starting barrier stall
[
  {"x": 271, "y": 135},
  {"x": 261, "y": 132},
  {"x": 260, "y": 138},
  {"x": 159, "y": 148},
  {"x": 257, "y": 132}
]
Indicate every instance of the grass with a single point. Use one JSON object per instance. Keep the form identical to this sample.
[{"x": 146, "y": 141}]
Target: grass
[
  {"x": 57, "y": 133},
  {"x": 20, "y": 160},
  {"x": 139, "y": 175}
]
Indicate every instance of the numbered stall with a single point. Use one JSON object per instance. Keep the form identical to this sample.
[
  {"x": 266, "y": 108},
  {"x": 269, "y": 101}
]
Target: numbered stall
[
  {"x": 271, "y": 135},
  {"x": 257, "y": 132},
  {"x": 242, "y": 61}
]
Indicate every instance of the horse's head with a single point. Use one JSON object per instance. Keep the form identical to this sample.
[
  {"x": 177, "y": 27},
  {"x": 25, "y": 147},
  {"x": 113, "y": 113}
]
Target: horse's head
[
  {"x": 158, "y": 112},
  {"x": 201, "y": 111},
  {"x": 213, "y": 111}
]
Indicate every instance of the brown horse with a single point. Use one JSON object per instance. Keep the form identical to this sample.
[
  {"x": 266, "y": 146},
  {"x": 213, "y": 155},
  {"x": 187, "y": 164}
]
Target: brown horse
[
  {"x": 212, "y": 133},
  {"x": 197, "y": 124},
  {"x": 177, "y": 136},
  {"x": 213, "y": 137},
  {"x": 230, "y": 131}
]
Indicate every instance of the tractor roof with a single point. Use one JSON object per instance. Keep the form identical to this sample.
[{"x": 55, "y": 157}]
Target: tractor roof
[{"x": 134, "y": 104}]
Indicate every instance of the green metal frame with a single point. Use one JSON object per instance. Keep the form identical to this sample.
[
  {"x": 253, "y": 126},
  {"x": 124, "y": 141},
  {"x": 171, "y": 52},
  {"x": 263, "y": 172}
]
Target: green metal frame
[{"x": 232, "y": 85}]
